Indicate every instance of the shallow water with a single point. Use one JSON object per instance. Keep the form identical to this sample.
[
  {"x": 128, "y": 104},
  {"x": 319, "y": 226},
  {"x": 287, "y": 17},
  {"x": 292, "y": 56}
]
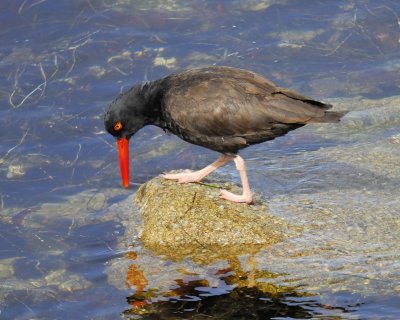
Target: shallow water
[{"x": 66, "y": 250}]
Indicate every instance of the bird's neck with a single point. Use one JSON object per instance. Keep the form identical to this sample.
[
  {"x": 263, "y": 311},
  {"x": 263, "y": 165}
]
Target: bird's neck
[{"x": 152, "y": 95}]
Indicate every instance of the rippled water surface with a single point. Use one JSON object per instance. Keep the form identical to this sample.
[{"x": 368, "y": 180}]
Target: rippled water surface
[{"x": 66, "y": 250}]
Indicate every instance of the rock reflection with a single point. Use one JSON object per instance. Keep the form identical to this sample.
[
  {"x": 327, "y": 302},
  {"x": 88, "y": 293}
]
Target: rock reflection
[{"x": 233, "y": 292}]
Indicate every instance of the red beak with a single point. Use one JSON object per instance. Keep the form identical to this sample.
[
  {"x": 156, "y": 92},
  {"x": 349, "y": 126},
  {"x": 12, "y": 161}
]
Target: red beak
[{"x": 123, "y": 155}]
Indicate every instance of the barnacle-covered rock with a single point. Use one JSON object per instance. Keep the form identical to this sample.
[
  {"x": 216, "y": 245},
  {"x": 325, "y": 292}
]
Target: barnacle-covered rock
[{"x": 191, "y": 220}]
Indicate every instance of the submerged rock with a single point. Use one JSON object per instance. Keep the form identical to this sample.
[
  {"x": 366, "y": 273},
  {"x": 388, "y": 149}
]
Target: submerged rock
[{"x": 182, "y": 220}]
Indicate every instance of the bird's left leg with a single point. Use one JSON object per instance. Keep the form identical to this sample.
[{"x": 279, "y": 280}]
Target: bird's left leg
[
  {"x": 196, "y": 176},
  {"x": 246, "y": 196}
]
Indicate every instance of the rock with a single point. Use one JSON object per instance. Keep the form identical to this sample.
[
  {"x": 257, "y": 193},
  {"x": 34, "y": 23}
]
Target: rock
[
  {"x": 6, "y": 268},
  {"x": 252, "y": 5},
  {"x": 181, "y": 220}
]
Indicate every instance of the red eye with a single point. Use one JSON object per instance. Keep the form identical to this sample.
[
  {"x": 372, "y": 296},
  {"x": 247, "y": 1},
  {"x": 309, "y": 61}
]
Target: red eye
[{"x": 118, "y": 126}]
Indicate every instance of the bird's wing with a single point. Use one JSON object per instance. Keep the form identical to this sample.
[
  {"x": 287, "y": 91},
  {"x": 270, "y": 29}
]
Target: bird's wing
[{"x": 236, "y": 105}]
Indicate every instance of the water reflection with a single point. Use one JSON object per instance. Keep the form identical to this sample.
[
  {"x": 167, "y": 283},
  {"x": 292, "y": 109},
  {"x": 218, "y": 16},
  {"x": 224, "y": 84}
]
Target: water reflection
[{"x": 234, "y": 297}]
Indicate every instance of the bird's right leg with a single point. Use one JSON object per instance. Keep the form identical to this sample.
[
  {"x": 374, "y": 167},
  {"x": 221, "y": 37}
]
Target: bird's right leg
[
  {"x": 246, "y": 195},
  {"x": 196, "y": 176}
]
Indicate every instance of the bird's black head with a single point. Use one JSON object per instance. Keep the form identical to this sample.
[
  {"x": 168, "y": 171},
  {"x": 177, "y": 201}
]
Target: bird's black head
[
  {"x": 124, "y": 117},
  {"x": 126, "y": 114}
]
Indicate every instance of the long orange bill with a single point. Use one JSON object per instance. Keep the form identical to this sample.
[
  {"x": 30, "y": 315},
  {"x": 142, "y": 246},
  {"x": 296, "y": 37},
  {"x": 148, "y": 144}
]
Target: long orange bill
[{"x": 123, "y": 155}]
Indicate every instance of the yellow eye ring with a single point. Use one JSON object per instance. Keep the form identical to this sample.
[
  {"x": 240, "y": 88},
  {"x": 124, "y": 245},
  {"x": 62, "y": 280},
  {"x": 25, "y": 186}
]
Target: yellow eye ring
[{"x": 118, "y": 126}]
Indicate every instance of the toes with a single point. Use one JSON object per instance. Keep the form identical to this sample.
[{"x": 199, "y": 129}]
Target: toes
[
  {"x": 224, "y": 194},
  {"x": 236, "y": 198},
  {"x": 167, "y": 176},
  {"x": 188, "y": 179},
  {"x": 186, "y": 176},
  {"x": 175, "y": 176},
  {"x": 229, "y": 196},
  {"x": 183, "y": 180}
]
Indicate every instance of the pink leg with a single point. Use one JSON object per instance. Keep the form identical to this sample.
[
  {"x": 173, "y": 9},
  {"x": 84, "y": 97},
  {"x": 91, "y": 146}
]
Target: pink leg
[
  {"x": 197, "y": 176},
  {"x": 246, "y": 196}
]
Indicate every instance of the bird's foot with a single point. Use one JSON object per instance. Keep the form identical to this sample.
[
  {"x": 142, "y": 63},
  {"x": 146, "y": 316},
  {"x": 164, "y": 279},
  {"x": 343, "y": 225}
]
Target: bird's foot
[
  {"x": 186, "y": 176},
  {"x": 243, "y": 198}
]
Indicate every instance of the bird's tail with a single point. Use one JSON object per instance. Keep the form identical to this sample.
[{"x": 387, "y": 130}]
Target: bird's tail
[{"x": 330, "y": 116}]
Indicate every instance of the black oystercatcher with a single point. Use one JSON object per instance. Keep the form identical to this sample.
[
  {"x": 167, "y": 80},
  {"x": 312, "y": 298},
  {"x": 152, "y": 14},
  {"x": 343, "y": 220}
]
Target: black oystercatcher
[{"x": 221, "y": 108}]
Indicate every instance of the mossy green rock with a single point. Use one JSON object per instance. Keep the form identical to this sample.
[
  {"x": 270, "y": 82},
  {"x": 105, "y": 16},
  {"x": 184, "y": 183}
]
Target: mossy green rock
[{"x": 191, "y": 219}]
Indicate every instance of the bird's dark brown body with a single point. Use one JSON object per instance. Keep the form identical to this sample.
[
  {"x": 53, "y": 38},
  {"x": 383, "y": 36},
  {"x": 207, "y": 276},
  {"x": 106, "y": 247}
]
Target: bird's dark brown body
[
  {"x": 221, "y": 108},
  {"x": 227, "y": 109}
]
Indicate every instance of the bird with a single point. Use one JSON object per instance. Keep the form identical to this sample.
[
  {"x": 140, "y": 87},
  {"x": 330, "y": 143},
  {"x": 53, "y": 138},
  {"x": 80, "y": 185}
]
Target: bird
[{"x": 221, "y": 108}]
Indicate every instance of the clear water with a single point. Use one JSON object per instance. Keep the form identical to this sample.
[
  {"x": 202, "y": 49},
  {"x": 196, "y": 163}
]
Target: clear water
[{"x": 62, "y": 62}]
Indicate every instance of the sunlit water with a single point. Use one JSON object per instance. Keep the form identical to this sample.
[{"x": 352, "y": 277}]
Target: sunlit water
[{"x": 63, "y": 251}]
